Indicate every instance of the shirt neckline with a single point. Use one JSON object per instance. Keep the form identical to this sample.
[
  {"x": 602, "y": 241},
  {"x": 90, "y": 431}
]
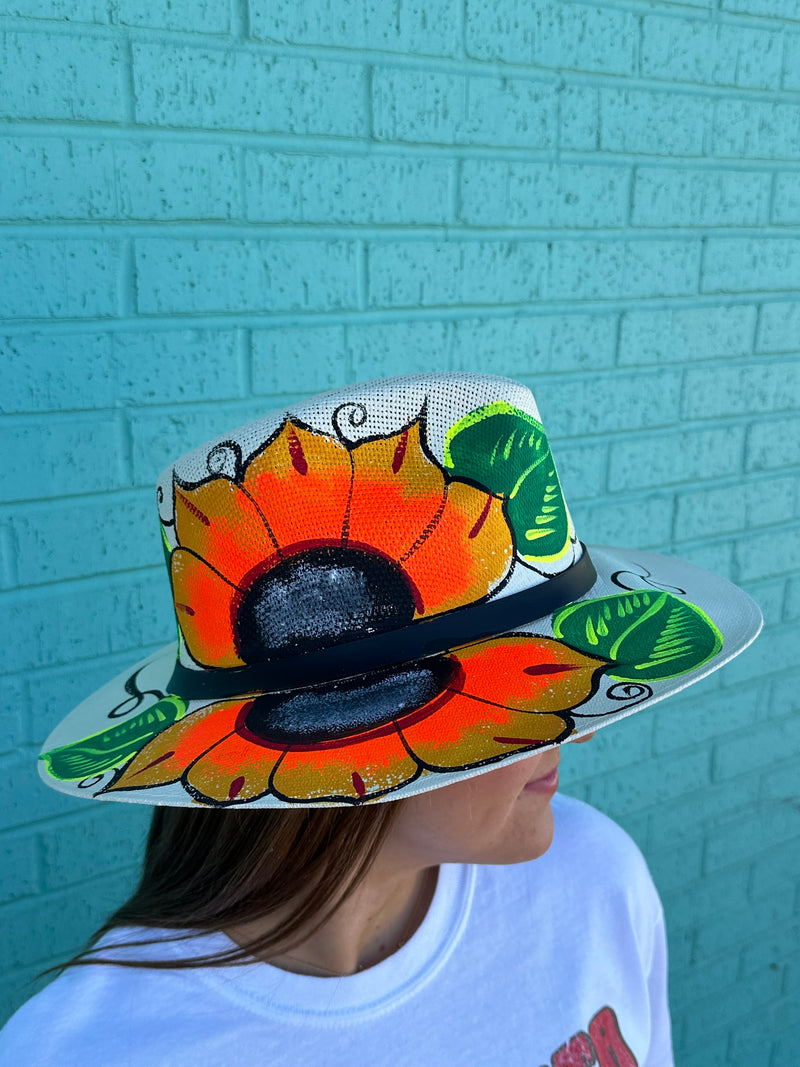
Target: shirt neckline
[{"x": 267, "y": 990}]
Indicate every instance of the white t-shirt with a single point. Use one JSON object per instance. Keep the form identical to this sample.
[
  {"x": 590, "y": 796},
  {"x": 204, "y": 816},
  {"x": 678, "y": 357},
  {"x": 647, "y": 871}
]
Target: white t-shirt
[{"x": 559, "y": 961}]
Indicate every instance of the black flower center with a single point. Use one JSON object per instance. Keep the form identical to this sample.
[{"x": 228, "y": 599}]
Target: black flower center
[
  {"x": 321, "y": 597},
  {"x": 352, "y": 706}
]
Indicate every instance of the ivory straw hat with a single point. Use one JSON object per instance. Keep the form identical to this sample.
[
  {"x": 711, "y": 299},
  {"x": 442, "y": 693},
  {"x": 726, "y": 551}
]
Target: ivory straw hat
[{"x": 378, "y": 592}]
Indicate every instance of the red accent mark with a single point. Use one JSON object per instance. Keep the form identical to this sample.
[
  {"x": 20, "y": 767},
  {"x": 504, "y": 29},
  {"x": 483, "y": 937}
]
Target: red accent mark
[
  {"x": 160, "y": 759},
  {"x": 296, "y": 453},
  {"x": 195, "y": 510},
  {"x": 400, "y": 452},
  {"x": 236, "y": 787},
  {"x": 550, "y": 668},
  {"x": 185, "y": 608},
  {"x": 476, "y": 528},
  {"x": 358, "y": 782},
  {"x": 515, "y": 740}
]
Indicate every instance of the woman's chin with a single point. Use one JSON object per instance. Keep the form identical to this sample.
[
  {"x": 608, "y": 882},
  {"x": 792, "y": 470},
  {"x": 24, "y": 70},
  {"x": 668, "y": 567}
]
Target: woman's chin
[{"x": 529, "y": 836}]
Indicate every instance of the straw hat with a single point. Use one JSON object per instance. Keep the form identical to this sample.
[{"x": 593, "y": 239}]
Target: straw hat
[{"x": 378, "y": 592}]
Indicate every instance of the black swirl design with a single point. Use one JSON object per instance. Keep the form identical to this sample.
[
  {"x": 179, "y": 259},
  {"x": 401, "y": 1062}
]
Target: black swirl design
[
  {"x": 225, "y": 459},
  {"x": 89, "y": 783},
  {"x": 137, "y": 695},
  {"x": 618, "y": 576},
  {"x": 164, "y": 507},
  {"x": 631, "y": 692},
  {"x": 353, "y": 414}
]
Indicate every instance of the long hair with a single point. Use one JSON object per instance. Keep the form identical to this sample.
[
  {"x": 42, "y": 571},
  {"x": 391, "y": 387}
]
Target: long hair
[{"x": 206, "y": 869}]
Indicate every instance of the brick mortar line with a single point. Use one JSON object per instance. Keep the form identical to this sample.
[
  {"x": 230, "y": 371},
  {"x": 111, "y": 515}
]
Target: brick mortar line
[
  {"x": 50, "y": 229},
  {"x": 722, "y": 872},
  {"x": 648, "y": 810},
  {"x": 121, "y": 496},
  {"x": 676, "y": 10},
  {"x": 369, "y": 96},
  {"x": 8, "y": 551},
  {"x": 724, "y": 366},
  {"x": 86, "y": 583},
  {"x": 399, "y": 316},
  {"x": 444, "y": 233},
  {"x": 435, "y": 64},
  {"x": 763, "y": 803},
  {"x": 243, "y": 364},
  {"x": 344, "y": 145},
  {"x": 108, "y": 658},
  {"x": 431, "y": 63},
  {"x": 773, "y": 193},
  {"x": 133, "y": 655},
  {"x": 48, "y": 895},
  {"x": 88, "y": 817},
  {"x": 750, "y": 938},
  {"x": 176, "y": 320},
  {"x": 128, "y": 79},
  {"x": 717, "y": 1032},
  {"x": 360, "y": 147},
  {"x": 30, "y": 898},
  {"x": 240, "y": 20},
  {"x": 682, "y": 13}
]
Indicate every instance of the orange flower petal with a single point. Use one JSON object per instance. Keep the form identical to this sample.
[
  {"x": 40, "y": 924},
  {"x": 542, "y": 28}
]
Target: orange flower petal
[
  {"x": 467, "y": 553},
  {"x": 508, "y": 698},
  {"x": 220, "y": 523},
  {"x": 233, "y": 770},
  {"x": 466, "y": 731},
  {"x": 166, "y": 757},
  {"x": 351, "y": 769},
  {"x": 204, "y": 607},
  {"x": 529, "y": 673},
  {"x": 397, "y": 492},
  {"x": 301, "y": 482}
]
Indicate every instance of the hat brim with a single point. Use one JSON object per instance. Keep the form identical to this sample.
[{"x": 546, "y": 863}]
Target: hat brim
[{"x": 131, "y": 741}]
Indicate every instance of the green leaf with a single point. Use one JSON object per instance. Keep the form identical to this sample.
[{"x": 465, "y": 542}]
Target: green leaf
[
  {"x": 646, "y": 634},
  {"x": 112, "y": 747},
  {"x": 506, "y": 450}
]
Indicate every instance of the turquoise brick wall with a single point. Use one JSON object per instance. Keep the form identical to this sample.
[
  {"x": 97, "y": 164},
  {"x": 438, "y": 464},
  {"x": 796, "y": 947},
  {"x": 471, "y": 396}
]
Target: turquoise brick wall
[{"x": 212, "y": 209}]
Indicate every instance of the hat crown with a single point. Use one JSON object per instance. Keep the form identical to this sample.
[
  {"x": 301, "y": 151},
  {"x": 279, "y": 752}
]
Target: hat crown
[{"x": 360, "y": 511}]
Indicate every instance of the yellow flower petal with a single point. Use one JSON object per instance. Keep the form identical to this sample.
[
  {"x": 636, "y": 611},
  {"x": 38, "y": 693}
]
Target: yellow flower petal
[
  {"x": 351, "y": 769},
  {"x": 234, "y": 770}
]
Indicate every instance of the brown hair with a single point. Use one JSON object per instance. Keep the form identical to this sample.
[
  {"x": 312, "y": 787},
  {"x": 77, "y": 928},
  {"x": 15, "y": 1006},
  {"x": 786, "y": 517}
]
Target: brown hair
[{"x": 206, "y": 869}]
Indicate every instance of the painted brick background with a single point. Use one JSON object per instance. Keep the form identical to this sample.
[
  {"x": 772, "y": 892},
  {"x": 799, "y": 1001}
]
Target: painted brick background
[{"x": 214, "y": 209}]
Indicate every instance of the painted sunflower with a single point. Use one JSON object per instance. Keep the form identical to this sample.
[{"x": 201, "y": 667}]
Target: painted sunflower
[
  {"x": 357, "y": 739},
  {"x": 318, "y": 542},
  {"x": 321, "y": 542}
]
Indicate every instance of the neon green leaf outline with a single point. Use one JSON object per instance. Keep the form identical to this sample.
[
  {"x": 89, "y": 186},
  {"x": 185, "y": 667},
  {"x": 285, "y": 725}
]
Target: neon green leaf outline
[
  {"x": 112, "y": 747},
  {"x": 534, "y": 503},
  {"x": 647, "y": 635}
]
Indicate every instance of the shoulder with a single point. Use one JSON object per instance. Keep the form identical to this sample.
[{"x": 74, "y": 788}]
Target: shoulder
[
  {"x": 87, "y": 1011},
  {"x": 590, "y": 848},
  {"x": 582, "y": 831}
]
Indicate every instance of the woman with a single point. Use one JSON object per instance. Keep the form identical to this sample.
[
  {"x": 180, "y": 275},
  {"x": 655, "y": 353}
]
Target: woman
[{"x": 385, "y": 613}]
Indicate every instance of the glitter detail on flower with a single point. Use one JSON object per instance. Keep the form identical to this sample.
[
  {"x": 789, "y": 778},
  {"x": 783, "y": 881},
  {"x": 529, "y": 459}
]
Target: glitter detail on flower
[
  {"x": 359, "y": 739},
  {"x": 322, "y": 541}
]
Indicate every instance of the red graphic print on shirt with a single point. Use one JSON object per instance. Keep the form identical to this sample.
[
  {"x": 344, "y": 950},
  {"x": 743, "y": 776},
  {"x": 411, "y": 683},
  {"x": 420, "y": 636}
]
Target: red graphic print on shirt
[{"x": 603, "y": 1046}]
